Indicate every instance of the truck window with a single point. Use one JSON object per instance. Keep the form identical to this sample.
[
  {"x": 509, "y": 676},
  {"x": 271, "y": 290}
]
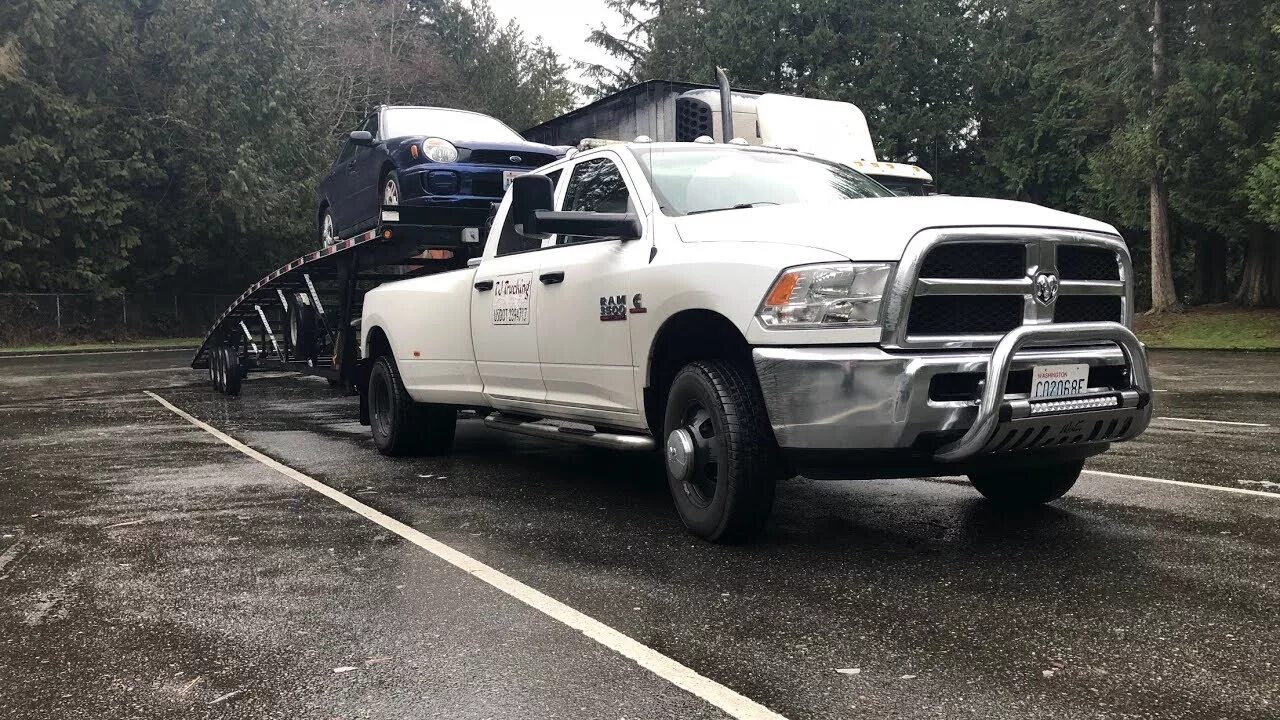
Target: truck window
[{"x": 594, "y": 186}]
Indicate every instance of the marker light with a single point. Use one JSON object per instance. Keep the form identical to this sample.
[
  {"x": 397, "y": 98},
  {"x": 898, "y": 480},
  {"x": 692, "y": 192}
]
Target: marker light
[{"x": 828, "y": 295}]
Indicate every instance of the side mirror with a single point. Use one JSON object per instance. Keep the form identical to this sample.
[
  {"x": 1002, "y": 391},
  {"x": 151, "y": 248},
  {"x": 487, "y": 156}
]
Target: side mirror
[
  {"x": 362, "y": 137},
  {"x": 624, "y": 226},
  {"x": 530, "y": 194}
]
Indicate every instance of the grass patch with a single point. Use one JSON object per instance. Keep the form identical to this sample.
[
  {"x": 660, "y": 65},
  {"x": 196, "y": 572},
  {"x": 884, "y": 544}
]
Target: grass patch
[
  {"x": 1212, "y": 327},
  {"x": 103, "y": 346}
]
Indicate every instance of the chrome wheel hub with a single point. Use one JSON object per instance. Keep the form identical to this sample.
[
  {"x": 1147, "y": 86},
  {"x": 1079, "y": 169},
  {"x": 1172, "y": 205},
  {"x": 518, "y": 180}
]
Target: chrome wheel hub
[{"x": 680, "y": 454}]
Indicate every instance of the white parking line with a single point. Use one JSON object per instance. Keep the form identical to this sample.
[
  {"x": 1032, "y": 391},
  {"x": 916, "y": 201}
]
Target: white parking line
[
  {"x": 1216, "y": 422},
  {"x": 714, "y": 693},
  {"x": 1182, "y": 483}
]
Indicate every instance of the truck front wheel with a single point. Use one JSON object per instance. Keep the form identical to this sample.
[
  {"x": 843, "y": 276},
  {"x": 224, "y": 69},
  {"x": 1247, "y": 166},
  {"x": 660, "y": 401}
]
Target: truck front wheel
[
  {"x": 1027, "y": 486},
  {"x": 720, "y": 455},
  {"x": 399, "y": 425}
]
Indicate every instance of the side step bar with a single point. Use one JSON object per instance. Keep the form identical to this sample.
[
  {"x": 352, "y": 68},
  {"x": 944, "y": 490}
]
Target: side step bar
[{"x": 568, "y": 432}]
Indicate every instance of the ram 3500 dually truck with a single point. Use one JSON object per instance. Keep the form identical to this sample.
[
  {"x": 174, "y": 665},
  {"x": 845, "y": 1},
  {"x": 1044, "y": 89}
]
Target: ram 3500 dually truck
[{"x": 754, "y": 314}]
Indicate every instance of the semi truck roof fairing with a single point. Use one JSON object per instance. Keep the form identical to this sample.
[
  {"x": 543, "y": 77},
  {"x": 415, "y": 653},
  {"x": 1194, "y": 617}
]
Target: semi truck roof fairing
[{"x": 832, "y": 130}]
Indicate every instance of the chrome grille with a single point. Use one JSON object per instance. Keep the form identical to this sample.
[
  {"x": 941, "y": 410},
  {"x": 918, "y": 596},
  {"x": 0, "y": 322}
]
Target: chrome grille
[{"x": 968, "y": 287}]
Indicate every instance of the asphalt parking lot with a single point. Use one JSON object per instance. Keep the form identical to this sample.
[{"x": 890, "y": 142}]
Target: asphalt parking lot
[{"x": 150, "y": 569}]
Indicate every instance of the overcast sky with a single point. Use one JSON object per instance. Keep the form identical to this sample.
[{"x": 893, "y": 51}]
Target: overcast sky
[{"x": 563, "y": 25}]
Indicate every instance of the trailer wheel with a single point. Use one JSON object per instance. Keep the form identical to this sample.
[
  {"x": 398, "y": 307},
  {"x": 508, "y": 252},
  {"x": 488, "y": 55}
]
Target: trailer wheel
[
  {"x": 302, "y": 330},
  {"x": 721, "y": 458},
  {"x": 216, "y": 368},
  {"x": 233, "y": 372},
  {"x": 1027, "y": 486}
]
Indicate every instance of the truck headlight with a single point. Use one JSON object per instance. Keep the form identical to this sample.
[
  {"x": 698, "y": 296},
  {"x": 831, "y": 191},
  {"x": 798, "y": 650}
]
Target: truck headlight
[
  {"x": 439, "y": 150},
  {"x": 828, "y": 295}
]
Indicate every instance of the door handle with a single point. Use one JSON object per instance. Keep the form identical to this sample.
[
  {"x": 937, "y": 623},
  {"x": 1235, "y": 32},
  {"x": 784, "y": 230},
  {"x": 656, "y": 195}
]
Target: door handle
[
  {"x": 552, "y": 278},
  {"x": 484, "y": 285}
]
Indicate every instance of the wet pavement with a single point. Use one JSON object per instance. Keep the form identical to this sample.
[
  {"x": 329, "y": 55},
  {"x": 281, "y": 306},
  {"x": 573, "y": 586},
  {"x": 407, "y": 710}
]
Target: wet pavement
[{"x": 149, "y": 570}]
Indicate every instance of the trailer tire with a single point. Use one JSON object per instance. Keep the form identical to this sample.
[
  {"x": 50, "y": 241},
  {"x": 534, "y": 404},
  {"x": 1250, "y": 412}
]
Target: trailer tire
[
  {"x": 1027, "y": 486},
  {"x": 302, "y": 330},
  {"x": 394, "y": 419},
  {"x": 233, "y": 372},
  {"x": 724, "y": 488},
  {"x": 216, "y": 369}
]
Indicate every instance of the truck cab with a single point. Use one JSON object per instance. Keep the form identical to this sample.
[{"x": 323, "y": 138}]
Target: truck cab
[{"x": 754, "y": 313}]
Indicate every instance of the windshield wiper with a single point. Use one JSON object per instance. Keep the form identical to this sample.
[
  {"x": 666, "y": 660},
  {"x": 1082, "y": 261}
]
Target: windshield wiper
[{"x": 739, "y": 206}]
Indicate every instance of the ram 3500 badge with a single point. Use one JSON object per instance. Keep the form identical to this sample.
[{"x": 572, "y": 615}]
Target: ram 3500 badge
[{"x": 753, "y": 314}]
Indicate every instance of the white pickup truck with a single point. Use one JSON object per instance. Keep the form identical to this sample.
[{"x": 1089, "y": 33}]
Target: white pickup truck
[{"x": 755, "y": 314}]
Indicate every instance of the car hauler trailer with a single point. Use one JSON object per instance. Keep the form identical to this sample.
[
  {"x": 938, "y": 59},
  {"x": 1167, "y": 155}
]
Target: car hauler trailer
[{"x": 304, "y": 316}]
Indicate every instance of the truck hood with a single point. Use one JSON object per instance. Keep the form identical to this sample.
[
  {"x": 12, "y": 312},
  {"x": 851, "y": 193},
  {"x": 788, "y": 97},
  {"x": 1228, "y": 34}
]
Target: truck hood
[{"x": 875, "y": 229}]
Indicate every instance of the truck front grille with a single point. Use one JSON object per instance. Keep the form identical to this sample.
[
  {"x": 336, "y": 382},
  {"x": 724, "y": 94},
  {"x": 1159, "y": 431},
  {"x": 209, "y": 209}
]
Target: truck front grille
[
  {"x": 1080, "y": 262},
  {"x": 988, "y": 261},
  {"x": 1085, "y": 308},
  {"x": 983, "y": 314},
  {"x": 966, "y": 288}
]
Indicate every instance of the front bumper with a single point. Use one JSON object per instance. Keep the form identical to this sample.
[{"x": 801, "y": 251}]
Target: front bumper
[{"x": 865, "y": 399}]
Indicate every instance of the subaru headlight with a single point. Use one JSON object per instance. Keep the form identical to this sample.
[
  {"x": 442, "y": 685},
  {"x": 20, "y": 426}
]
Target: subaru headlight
[
  {"x": 824, "y": 296},
  {"x": 439, "y": 150}
]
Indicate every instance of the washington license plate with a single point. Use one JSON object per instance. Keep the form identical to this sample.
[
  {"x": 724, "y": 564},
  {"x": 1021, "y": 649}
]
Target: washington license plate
[
  {"x": 1059, "y": 381},
  {"x": 508, "y": 176}
]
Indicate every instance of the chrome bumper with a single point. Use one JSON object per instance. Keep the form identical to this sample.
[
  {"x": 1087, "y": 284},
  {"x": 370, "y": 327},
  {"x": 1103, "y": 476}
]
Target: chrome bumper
[{"x": 863, "y": 398}]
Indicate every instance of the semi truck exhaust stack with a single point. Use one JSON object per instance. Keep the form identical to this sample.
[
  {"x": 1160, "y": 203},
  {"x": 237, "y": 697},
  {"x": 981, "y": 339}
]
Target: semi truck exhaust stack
[{"x": 726, "y": 106}]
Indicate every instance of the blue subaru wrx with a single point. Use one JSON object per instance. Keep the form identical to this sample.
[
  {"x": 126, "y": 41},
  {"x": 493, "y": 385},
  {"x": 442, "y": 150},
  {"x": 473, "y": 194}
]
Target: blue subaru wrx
[{"x": 422, "y": 157}]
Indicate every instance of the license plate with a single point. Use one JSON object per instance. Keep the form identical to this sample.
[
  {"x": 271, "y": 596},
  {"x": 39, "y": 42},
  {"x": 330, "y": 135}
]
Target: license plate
[
  {"x": 470, "y": 235},
  {"x": 508, "y": 176},
  {"x": 1059, "y": 381}
]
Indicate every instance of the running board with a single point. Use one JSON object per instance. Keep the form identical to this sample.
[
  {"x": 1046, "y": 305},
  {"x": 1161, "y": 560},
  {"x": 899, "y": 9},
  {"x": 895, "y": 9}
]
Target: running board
[{"x": 580, "y": 433}]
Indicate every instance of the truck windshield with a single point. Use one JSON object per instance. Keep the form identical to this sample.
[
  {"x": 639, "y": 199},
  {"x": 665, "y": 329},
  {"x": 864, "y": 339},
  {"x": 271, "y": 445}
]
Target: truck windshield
[
  {"x": 705, "y": 179},
  {"x": 446, "y": 124}
]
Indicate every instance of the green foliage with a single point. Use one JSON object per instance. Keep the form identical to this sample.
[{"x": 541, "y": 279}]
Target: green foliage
[
  {"x": 176, "y": 144},
  {"x": 1036, "y": 100}
]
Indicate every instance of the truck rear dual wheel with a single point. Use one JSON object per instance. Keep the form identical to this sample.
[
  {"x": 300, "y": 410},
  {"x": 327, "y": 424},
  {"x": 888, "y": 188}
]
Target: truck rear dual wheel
[
  {"x": 1027, "y": 486},
  {"x": 401, "y": 426},
  {"x": 720, "y": 455}
]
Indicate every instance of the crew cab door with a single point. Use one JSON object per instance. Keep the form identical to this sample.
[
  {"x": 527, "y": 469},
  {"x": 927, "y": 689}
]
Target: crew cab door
[
  {"x": 584, "y": 338},
  {"x": 504, "y": 306}
]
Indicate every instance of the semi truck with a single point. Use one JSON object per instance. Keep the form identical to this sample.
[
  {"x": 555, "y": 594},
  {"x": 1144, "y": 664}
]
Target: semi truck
[{"x": 665, "y": 110}]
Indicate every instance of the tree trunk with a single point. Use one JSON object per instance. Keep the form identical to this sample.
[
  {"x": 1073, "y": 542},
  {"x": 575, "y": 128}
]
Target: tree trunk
[
  {"x": 1260, "y": 281},
  {"x": 1211, "y": 269},
  {"x": 1163, "y": 295}
]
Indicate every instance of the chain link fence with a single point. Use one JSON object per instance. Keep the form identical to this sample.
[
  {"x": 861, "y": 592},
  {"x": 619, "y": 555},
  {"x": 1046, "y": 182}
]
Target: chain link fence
[{"x": 61, "y": 318}]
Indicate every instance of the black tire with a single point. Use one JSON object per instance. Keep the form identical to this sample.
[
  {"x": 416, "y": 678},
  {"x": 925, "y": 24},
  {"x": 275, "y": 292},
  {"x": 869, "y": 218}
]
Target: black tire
[
  {"x": 233, "y": 372},
  {"x": 213, "y": 374},
  {"x": 216, "y": 361},
  {"x": 302, "y": 330},
  {"x": 399, "y": 425},
  {"x": 727, "y": 494},
  {"x": 1027, "y": 486}
]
